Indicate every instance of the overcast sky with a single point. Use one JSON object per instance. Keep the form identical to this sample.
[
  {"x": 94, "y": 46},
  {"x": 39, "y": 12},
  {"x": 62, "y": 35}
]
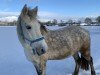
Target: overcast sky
[{"x": 53, "y": 8}]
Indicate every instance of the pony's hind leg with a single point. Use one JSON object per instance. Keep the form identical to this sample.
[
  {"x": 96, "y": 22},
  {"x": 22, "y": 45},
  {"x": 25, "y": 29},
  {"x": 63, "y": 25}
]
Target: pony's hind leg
[
  {"x": 92, "y": 67},
  {"x": 86, "y": 60},
  {"x": 77, "y": 61}
]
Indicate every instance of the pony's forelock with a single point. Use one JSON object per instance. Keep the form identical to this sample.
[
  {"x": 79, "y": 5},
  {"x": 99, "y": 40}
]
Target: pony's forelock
[{"x": 27, "y": 11}]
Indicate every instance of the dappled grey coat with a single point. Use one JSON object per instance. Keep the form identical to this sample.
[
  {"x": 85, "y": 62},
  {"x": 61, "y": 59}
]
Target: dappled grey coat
[{"x": 66, "y": 41}]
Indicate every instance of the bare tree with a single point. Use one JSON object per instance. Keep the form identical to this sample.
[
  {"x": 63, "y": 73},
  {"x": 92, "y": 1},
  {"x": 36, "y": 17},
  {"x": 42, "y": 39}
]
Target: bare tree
[
  {"x": 88, "y": 21},
  {"x": 54, "y": 22},
  {"x": 98, "y": 19},
  {"x": 70, "y": 22}
]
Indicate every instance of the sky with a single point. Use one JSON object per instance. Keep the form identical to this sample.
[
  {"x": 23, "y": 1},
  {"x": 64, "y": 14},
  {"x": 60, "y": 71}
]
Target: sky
[{"x": 59, "y": 9}]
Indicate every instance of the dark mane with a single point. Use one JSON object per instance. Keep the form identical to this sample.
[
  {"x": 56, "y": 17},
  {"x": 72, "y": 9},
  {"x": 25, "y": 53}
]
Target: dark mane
[{"x": 43, "y": 28}]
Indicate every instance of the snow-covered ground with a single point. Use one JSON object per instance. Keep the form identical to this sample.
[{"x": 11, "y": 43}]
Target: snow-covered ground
[{"x": 13, "y": 60}]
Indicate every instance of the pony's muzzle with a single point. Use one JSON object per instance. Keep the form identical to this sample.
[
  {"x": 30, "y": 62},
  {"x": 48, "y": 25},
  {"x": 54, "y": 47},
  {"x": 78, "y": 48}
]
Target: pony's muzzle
[
  {"x": 39, "y": 53},
  {"x": 42, "y": 51}
]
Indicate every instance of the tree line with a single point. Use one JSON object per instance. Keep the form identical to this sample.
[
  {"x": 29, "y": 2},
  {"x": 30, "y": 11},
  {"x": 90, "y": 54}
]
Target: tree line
[
  {"x": 87, "y": 21},
  {"x": 5, "y": 23}
]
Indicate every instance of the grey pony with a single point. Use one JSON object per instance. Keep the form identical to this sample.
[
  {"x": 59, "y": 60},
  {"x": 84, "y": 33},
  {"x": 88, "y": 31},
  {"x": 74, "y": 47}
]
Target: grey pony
[{"x": 56, "y": 44}]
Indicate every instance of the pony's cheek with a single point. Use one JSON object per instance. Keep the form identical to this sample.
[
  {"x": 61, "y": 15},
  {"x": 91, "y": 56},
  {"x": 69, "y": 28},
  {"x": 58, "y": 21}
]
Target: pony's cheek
[{"x": 45, "y": 46}]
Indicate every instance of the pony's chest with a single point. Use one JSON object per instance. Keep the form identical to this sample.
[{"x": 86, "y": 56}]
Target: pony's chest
[
  {"x": 31, "y": 57},
  {"x": 28, "y": 54}
]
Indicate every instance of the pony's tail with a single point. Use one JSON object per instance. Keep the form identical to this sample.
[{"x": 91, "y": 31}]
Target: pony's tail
[{"x": 84, "y": 63}]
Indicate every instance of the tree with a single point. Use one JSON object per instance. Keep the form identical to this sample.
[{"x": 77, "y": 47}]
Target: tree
[
  {"x": 48, "y": 23},
  {"x": 62, "y": 23},
  {"x": 88, "y": 21},
  {"x": 54, "y": 22},
  {"x": 70, "y": 22},
  {"x": 98, "y": 19},
  {"x": 79, "y": 22}
]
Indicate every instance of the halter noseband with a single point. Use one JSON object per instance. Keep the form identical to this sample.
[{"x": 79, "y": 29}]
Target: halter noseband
[{"x": 36, "y": 40}]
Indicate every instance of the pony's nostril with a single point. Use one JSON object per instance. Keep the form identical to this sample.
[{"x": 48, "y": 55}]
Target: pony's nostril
[
  {"x": 43, "y": 51},
  {"x": 28, "y": 27}
]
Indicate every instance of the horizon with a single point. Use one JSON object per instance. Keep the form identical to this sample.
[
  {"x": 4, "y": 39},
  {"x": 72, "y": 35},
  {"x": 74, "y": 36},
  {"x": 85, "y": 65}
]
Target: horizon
[{"x": 52, "y": 9}]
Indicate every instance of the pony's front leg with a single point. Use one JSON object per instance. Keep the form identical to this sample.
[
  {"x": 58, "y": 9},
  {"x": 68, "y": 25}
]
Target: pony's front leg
[{"x": 41, "y": 68}]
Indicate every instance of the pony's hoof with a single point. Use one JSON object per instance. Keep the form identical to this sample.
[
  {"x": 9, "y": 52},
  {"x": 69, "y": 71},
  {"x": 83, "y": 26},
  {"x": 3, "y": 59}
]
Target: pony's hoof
[
  {"x": 93, "y": 73},
  {"x": 75, "y": 73}
]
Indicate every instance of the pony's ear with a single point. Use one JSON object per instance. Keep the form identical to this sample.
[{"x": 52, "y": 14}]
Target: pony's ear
[
  {"x": 33, "y": 12},
  {"x": 25, "y": 10}
]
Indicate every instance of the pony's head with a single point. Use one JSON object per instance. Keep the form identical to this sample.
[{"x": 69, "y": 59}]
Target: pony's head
[{"x": 31, "y": 29}]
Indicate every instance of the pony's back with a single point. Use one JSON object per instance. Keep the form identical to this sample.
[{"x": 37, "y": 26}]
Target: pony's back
[{"x": 67, "y": 40}]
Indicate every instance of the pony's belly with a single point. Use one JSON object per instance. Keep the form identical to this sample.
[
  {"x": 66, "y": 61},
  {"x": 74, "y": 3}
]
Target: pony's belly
[{"x": 58, "y": 54}]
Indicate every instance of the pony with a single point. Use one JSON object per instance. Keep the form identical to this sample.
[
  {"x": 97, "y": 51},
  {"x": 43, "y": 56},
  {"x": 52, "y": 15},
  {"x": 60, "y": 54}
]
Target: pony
[{"x": 41, "y": 44}]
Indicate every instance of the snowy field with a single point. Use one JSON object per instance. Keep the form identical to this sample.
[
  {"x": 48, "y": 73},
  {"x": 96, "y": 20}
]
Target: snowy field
[{"x": 13, "y": 60}]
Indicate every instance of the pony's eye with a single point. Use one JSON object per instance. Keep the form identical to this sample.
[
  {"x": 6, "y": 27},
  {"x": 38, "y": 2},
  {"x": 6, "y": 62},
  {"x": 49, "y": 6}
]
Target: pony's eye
[{"x": 28, "y": 27}]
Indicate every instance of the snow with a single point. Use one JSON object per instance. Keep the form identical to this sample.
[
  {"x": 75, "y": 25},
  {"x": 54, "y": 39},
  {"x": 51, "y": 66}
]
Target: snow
[
  {"x": 9, "y": 18},
  {"x": 82, "y": 24},
  {"x": 54, "y": 27},
  {"x": 14, "y": 62}
]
